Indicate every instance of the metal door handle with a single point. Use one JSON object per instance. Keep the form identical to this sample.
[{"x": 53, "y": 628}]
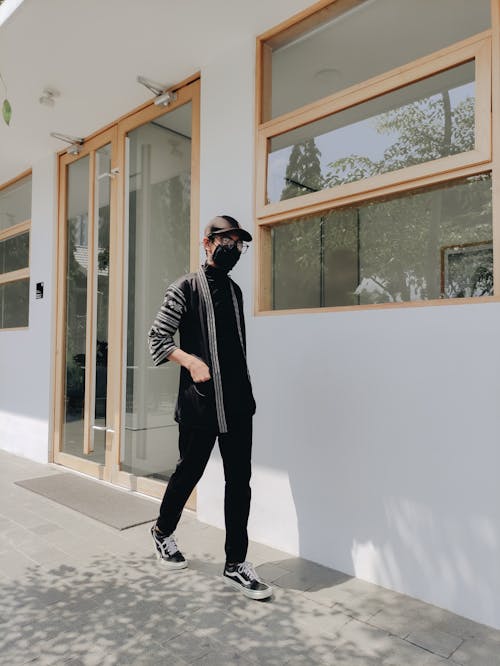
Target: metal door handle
[{"x": 102, "y": 428}]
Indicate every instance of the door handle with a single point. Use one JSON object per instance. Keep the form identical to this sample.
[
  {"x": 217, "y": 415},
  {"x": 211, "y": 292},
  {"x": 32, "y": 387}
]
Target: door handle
[
  {"x": 102, "y": 428},
  {"x": 110, "y": 174}
]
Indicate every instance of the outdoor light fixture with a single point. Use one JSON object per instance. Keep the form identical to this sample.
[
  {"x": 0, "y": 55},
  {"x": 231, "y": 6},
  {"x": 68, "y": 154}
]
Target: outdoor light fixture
[
  {"x": 165, "y": 99},
  {"x": 163, "y": 96},
  {"x": 74, "y": 141},
  {"x": 48, "y": 96}
]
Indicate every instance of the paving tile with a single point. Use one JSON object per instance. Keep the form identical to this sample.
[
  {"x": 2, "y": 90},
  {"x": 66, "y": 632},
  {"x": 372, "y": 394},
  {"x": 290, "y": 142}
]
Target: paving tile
[
  {"x": 435, "y": 641},
  {"x": 478, "y": 652},
  {"x": 48, "y": 556},
  {"x": 97, "y": 596},
  {"x": 6, "y": 524},
  {"x": 270, "y": 571},
  {"x": 52, "y": 650},
  {"x": 305, "y": 660},
  {"x": 44, "y": 528},
  {"x": 259, "y": 553},
  {"x": 304, "y": 575},
  {"x": 154, "y": 656},
  {"x": 188, "y": 647},
  {"x": 14, "y": 564},
  {"x": 353, "y": 597},
  {"x": 209, "y": 622},
  {"x": 359, "y": 640},
  {"x": 23, "y": 517},
  {"x": 401, "y": 652},
  {"x": 457, "y": 625},
  {"x": 17, "y": 536},
  {"x": 322, "y": 624},
  {"x": 158, "y": 627},
  {"x": 212, "y": 569},
  {"x": 226, "y": 657},
  {"x": 277, "y": 611},
  {"x": 404, "y": 616}
]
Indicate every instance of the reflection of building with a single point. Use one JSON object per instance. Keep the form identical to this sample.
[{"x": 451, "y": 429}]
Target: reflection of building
[
  {"x": 370, "y": 181},
  {"x": 82, "y": 258}
]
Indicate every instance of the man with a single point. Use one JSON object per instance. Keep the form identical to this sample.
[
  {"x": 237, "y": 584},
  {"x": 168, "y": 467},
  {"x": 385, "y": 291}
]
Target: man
[{"x": 215, "y": 398}]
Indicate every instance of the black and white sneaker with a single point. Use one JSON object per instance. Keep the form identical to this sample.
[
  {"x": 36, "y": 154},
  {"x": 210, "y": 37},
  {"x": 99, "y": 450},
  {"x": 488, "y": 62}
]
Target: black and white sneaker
[
  {"x": 167, "y": 550},
  {"x": 242, "y": 576}
]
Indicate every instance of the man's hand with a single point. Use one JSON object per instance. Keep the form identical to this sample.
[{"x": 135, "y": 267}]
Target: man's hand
[{"x": 199, "y": 370}]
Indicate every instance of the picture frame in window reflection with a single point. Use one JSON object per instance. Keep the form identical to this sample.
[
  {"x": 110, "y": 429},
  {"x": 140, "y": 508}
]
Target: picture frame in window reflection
[{"x": 467, "y": 270}]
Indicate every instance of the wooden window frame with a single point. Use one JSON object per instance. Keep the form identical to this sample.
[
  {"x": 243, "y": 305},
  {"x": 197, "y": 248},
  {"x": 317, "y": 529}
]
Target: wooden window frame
[
  {"x": 16, "y": 230},
  {"x": 483, "y": 48}
]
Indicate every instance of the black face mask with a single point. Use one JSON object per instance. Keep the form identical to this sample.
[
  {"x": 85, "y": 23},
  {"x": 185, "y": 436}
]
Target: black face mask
[{"x": 226, "y": 258}]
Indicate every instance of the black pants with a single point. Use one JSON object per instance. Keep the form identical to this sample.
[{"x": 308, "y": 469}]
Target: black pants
[{"x": 195, "y": 447}]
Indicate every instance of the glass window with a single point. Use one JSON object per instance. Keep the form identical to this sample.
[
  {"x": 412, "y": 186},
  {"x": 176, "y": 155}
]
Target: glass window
[
  {"x": 15, "y": 203},
  {"x": 421, "y": 122},
  {"x": 159, "y": 218},
  {"x": 77, "y": 257},
  {"x": 14, "y": 304},
  {"x": 15, "y": 208},
  {"x": 311, "y": 61},
  {"x": 422, "y": 245},
  {"x": 14, "y": 253}
]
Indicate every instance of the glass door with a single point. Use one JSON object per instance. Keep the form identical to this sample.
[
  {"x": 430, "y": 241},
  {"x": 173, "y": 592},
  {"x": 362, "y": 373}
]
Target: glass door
[
  {"x": 128, "y": 227},
  {"x": 86, "y": 189},
  {"x": 159, "y": 180},
  {"x": 160, "y": 243}
]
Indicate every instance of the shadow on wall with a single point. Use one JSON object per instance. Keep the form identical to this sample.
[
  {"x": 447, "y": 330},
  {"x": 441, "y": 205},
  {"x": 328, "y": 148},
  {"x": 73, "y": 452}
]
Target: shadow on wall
[{"x": 383, "y": 498}]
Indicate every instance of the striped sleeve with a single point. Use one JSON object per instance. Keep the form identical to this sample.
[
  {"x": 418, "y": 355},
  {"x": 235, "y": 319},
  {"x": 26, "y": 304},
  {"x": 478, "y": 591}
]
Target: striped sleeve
[{"x": 166, "y": 323}]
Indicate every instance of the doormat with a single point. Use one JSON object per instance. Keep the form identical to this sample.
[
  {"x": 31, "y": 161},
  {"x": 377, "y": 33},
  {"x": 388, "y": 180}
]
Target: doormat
[{"x": 117, "y": 508}]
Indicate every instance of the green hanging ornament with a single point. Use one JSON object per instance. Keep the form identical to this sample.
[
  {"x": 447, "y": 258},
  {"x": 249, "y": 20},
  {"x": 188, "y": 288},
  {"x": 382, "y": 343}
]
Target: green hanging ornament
[
  {"x": 6, "y": 111},
  {"x": 6, "y": 107}
]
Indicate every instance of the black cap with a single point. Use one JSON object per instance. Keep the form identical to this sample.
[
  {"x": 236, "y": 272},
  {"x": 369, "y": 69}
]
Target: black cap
[{"x": 222, "y": 224}]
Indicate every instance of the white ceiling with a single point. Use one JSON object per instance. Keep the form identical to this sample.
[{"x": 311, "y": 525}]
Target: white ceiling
[{"x": 92, "y": 51}]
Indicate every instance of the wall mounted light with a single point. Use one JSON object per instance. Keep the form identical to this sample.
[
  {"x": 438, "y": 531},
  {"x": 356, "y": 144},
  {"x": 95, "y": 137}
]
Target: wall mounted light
[
  {"x": 74, "y": 141},
  {"x": 163, "y": 96}
]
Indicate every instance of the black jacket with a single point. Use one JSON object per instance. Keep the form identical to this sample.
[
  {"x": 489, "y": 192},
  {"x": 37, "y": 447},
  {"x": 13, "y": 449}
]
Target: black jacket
[{"x": 188, "y": 308}]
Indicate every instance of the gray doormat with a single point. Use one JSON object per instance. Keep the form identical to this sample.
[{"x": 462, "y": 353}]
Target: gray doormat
[{"x": 116, "y": 508}]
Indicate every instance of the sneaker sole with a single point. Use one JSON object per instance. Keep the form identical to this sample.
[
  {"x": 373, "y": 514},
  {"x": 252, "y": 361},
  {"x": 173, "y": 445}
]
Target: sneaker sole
[
  {"x": 170, "y": 565},
  {"x": 251, "y": 594}
]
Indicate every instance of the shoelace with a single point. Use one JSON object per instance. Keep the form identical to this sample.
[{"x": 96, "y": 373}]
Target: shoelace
[
  {"x": 247, "y": 568},
  {"x": 170, "y": 545}
]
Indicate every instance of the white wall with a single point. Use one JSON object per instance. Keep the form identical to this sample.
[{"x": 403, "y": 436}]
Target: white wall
[
  {"x": 376, "y": 433},
  {"x": 25, "y": 406}
]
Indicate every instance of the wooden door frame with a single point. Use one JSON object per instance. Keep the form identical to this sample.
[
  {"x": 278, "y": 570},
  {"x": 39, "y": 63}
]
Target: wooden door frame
[
  {"x": 117, "y": 132},
  {"x": 187, "y": 94},
  {"x": 89, "y": 148}
]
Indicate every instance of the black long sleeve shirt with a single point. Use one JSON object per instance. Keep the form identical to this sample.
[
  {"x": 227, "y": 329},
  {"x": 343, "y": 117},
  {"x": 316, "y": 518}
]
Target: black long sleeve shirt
[
  {"x": 184, "y": 308},
  {"x": 236, "y": 387}
]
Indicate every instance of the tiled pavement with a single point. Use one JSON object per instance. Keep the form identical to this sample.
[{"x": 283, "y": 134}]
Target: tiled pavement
[{"x": 75, "y": 591}]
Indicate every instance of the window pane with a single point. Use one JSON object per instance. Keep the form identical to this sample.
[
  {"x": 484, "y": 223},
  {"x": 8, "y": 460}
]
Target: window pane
[
  {"x": 101, "y": 253},
  {"x": 421, "y": 122},
  {"x": 159, "y": 214},
  {"x": 14, "y": 253},
  {"x": 296, "y": 264},
  {"x": 14, "y": 304},
  {"x": 15, "y": 203},
  {"x": 77, "y": 257},
  {"x": 427, "y": 244},
  {"x": 362, "y": 43}
]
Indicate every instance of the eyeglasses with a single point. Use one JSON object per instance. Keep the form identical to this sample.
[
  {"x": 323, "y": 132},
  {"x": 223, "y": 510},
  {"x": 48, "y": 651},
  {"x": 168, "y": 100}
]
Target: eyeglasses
[{"x": 229, "y": 243}]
